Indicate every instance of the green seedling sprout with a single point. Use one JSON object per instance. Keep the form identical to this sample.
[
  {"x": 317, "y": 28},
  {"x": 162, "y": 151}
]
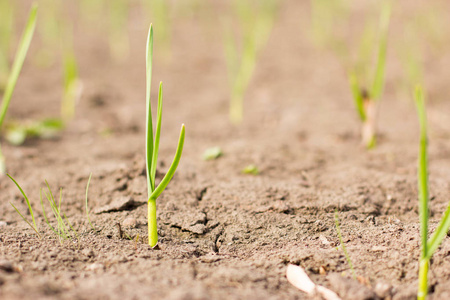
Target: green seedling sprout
[
  {"x": 15, "y": 71},
  {"x": 72, "y": 83},
  {"x": 429, "y": 245},
  {"x": 256, "y": 23},
  {"x": 341, "y": 241},
  {"x": 30, "y": 209},
  {"x": 6, "y": 32},
  {"x": 366, "y": 100},
  {"x": 152, "y": 147}
]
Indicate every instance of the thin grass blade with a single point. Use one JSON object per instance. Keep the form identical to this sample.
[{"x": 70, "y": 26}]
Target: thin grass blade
[
  {"x": 29, "y": 224},
  {"x": 26, "y": 199},
  {"x": 18, "y": 62},
  {"x": 71, "y": 227},
  {"x": 165, "y": 181},
  {"x": 44, "y": 213}
]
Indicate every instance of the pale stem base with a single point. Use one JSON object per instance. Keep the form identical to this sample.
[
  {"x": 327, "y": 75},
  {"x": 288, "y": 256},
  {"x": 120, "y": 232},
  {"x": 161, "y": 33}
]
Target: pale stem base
[
  {"x": 152, "y": 226},
  {"x": 368, "y": 132},
  {"x": 423, "y": 279}
]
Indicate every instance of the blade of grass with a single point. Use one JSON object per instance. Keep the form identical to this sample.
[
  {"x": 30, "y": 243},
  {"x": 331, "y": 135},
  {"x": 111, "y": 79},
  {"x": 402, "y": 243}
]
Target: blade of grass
[
  {"x": 87, "y": 207},
  {"x": 18, "y": 62},
  {"x": 341, "y": 240},
  {"x": 44, "y": 213},
  {"x": 28, "y": 203},
  {"x": 71, "y": 227},
  {"x": 26, "y": 220}
]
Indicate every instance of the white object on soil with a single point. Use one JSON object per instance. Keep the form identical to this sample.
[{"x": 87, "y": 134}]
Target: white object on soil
[{"x": 298, "y": 278}]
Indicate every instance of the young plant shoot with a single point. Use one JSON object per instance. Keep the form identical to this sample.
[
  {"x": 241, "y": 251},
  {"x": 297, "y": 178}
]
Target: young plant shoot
[
  {"x": 256, "y": 22},
  {"x": 21, "y": 53},
  {"x": 72, "y": 84},
  {"x": 366, "y": 99},
  {"x": 429, "y": 245},
  {"x": 152, "y": 147}
]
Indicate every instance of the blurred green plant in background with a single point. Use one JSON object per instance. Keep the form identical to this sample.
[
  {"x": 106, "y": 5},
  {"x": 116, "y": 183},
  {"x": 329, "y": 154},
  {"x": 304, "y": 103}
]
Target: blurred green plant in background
[
  {"x": 254, "y": 21},
  {"x": 6, "y": 34}
]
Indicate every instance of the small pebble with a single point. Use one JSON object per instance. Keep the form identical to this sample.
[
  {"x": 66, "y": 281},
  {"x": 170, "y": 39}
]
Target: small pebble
[
  {"x": 130, "y": 222},
  {"x": 3, "y": 224}
]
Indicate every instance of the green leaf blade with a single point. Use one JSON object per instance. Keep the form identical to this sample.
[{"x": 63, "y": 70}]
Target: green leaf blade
[
  {"x": 165, "y": 181},
  {"x": 157, "y": 135},
  {"x": 149, "y": 125}
]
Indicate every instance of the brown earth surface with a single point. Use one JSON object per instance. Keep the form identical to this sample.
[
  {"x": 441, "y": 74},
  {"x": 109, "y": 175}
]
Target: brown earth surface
[{"x": 223, "y": 234}]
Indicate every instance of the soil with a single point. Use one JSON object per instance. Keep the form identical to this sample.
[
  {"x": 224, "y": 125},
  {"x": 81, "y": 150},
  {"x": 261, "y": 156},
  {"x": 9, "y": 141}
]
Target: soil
[{"x": 224, "y": 234}]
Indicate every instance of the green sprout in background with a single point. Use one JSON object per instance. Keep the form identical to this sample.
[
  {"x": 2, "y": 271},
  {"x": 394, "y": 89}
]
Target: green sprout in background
[
  {"x": 21, "y": 53},
  {"x": 366, "y": 98},
  {"x": 429, "y": 245},
  {"x": 256, "y": 21},
  {"x": 6, "y": 33},
  {"x": 152, "y": 147},
  {"x": 330, "y": 27},
  {"x": 72, "y": 84}
]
